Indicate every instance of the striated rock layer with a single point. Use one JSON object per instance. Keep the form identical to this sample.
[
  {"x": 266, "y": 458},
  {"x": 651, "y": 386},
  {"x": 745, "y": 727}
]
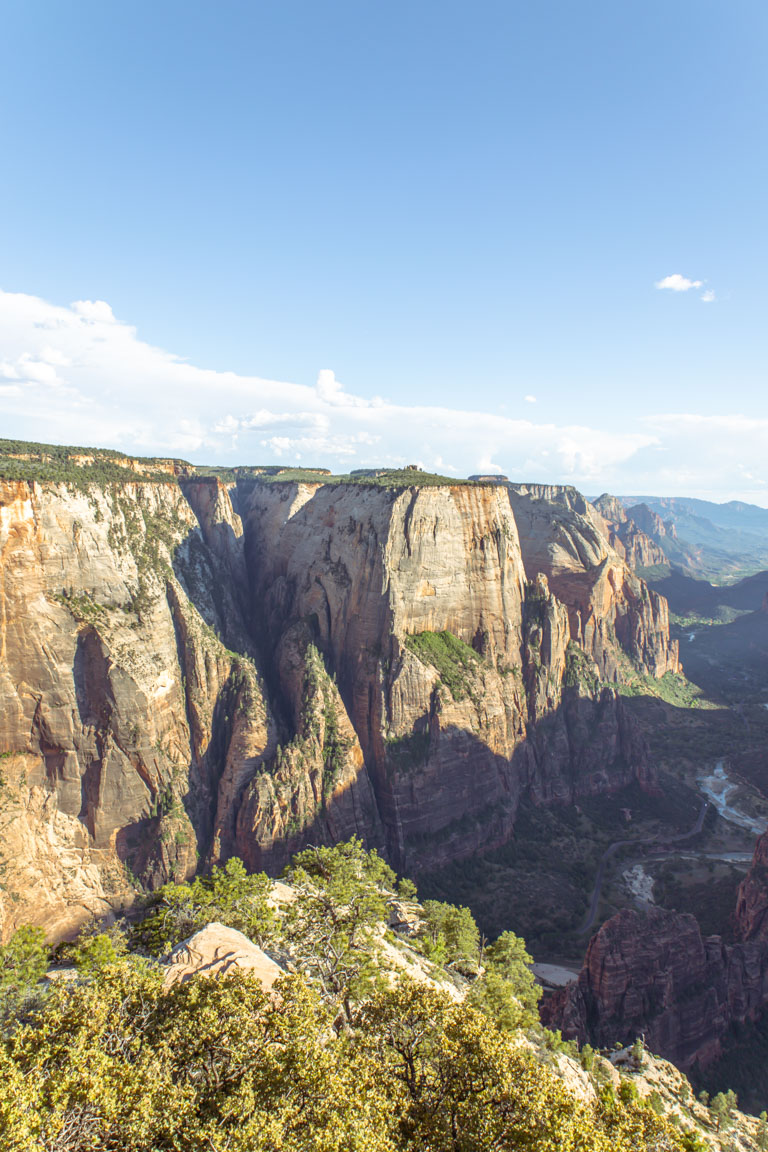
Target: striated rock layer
[
  {"x": 451, "y": 734},
  {"x": 121, "y": 711},
  {"x": 181, "y": 682},
  {"x": 652, "y": 974},
  {"x": 638, "y": 547},
  {"x": 614, "y": 617}
]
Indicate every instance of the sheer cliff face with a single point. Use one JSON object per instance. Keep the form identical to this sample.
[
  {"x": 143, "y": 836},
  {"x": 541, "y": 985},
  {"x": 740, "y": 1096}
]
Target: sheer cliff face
[
  {"x": 653, "y": 974},
  {"x": 641, "y": 551},
  {"x": 366, "y": 567},
  {"x": 649, "y": 974},
  {"x": 752, "y": 902},
  {"x": 370, "y": 566},
  {"x": 114, "y": 694},
  {"x": 178, "y": 685},
  {"x": 614, "y": 617},
  {"x": 451, "y": 734}
]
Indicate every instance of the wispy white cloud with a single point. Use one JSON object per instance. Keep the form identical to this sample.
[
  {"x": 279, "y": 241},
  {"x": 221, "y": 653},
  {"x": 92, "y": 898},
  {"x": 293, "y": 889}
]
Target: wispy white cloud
[
  {"x": 678, "y": 283},
  {"x": 708, "y": 297},
  {"x": 79, "y": 375},
  {"x": 529, "y": 399}
]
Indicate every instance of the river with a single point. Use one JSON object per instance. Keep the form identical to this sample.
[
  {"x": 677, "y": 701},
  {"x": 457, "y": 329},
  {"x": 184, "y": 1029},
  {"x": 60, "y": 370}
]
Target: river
[{"x": 719, "y": 789}]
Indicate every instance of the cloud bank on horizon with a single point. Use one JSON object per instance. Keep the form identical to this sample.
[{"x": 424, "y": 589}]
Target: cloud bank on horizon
[{"x": 78, "y": 375}]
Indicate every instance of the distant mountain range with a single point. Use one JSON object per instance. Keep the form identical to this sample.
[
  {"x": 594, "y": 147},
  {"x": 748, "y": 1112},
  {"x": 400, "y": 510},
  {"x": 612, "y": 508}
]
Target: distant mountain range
[{"x": 720, "y": 542}]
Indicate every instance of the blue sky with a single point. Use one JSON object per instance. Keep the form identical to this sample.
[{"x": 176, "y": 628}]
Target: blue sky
[{"x": 460, "y": 210}]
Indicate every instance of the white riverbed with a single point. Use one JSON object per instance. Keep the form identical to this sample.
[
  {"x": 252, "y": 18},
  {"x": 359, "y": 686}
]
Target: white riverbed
[
  {"x": 719, "y": 790},
  {"x": 639, "y": 883}
]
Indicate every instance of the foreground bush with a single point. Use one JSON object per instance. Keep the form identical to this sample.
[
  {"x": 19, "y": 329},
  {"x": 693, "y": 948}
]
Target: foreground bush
[
  {"x": 343, "y": 1056},
  {"x": 116, "y": 1063}
]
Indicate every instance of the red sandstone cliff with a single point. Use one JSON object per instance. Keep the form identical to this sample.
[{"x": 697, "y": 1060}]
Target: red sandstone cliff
[
  {"x": 640, "y": 550},
  {"x": 371, "y": 569},
  {"x": 652, "y": 974},
  {"x": 119, "y": 704},
  {"x": 614, "y": 617}
]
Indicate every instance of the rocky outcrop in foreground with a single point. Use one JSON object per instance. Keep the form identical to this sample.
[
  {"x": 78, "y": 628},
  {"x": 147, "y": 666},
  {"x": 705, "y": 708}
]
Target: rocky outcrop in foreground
[
  {"x": 192, "y": 669},
  {"x": 652, "y": 974},
  {"x": 215, "y": 951}
]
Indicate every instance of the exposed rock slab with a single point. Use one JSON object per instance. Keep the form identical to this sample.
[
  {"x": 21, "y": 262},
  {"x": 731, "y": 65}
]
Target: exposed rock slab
[{"x": 218, "y": 951}]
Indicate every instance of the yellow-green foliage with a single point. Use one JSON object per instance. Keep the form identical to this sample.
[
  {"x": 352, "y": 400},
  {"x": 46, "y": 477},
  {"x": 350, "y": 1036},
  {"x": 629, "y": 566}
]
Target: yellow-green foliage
[
  {"x": 393, "y": 478},
  {"x": 339, "y": 1057},
  {"x": 450, "y": 934},
  {"x": 115, "y": 1062},
  {"x": 507, "y": 991},
  {"x": 23, "y": 961},
  {"x": 338, "y": 902},
  {"x": 28, "y": 460},
  {"x": 228, "y": 895}
]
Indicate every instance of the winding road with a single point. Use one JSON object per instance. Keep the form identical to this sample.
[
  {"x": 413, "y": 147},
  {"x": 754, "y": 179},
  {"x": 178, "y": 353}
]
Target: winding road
[{"x": 612, "y": 849}]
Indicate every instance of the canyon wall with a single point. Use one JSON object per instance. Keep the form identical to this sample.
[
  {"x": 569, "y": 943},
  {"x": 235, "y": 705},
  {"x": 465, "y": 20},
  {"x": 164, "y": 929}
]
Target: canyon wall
[
  {"x": 115, "y": 694},
  {"x": 181, "y": 682},
  {"x": 639, "y": 548},
  {"x": 457, "y": 676},
  {"x": 614, "y": 617}
]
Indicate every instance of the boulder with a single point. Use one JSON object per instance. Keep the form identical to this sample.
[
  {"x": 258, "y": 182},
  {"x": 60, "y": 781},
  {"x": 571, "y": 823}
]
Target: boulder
[{"x": 216, "y": 951}]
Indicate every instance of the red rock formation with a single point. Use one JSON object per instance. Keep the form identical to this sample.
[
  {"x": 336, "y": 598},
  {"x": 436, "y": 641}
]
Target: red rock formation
[
  {"x": 652, "y": 974},
  {"x": 651, "y": 523},
  {"x": 614, "y": 617},
  {"x": 116, "y": 695},
  {"x": 751, "y": 914},
  {"x": 648, "y": 974},
  {"x": 641, "y": 552},
  {"x": 368, "y": 567}
]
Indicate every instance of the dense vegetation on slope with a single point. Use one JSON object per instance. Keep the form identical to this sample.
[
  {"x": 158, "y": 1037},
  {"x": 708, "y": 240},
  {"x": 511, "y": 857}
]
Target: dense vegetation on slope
[
  {"x": 341, "y": 1055},
  {"x": 373, "y": 478},
  {"x": 28, "y": 460},
  {"x": 452, "y": 659}
]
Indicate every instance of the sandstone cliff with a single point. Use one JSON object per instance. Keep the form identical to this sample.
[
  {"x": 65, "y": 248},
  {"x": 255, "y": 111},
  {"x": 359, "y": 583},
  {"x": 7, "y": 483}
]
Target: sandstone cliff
[
  {"x": 751, "y": 915},
  {"x": 614, "y": 617},
  {"x": 451, "y": 668},
  {"x": 653, "y": 974},
  {"x": 651, "y": 523},
  {"x": 115, "y": 694},
  {"x": 191, "y": 670},
  {"x": 640, "y": 550}
]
